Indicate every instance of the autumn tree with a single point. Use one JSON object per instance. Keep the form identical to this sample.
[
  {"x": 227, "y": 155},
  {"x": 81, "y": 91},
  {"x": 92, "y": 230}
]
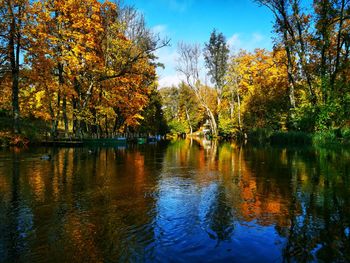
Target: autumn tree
[
  {"x": 316, "y": 42},
  {"x": 284, "y": 28},
  {"x": 128, "y": 49},
  {"x": 12, "y": 41},
  {"x": 93, "y": 62},
  {"x": 332, "y": 44},
  {"x": 257, "y": 89}
]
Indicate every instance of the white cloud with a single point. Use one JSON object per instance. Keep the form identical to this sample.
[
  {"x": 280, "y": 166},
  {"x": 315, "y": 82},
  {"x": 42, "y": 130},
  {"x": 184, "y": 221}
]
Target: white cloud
[
  {"x": 167, "y": 76},
  {"x": 179, "y": 5},
  {"x": 167, "y": 56},
  {"x": 247, "y": 42},
  {"x": 159, "y": 29},
  {"x": 257, "y": 38},
  {"x": 234, "y": 41},
  {"x": 169, "y": 80}
]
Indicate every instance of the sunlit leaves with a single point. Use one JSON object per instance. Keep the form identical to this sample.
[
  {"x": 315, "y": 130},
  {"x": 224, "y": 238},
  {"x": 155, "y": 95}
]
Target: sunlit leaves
[{"x": 82, "y": 68}]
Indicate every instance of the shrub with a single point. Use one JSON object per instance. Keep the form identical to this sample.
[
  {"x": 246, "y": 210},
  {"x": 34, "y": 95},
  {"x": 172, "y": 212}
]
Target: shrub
[
  {"x": 177, "y": 127},
  {"x": 303, "y": 118},
  {"x": 324, "y": 138},
  {"x": 227, "y": 128}
]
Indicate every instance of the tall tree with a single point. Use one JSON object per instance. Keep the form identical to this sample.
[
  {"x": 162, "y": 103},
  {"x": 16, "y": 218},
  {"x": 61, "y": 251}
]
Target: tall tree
[
  {"x": 233, "y": 78},
  {"x": 188, "y": 65},
  {"x": 284, "y": 28},
  {"x": 257, "y": 85},
  {"x": 12, "y": 20},
  {"x": 216, "y": 54},
  {"x": 332, "y": 43}
]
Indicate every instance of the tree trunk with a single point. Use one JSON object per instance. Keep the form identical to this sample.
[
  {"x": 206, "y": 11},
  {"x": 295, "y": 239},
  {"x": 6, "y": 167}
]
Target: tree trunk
[
  {"x": 14, "y": 52},
  {"x": 189, "y": 120},
  {"x": 239, "y": 111},
  {"x": 338, "y": 49},
  {"x": 302, "y": 51},
  {"x": 106, "y": 126},
  {"x": 291, "y": 82},
  {"x": 65, "y": 118},
  {"x": 15, "y": 102},
  {"x": 214, "y": 126}
]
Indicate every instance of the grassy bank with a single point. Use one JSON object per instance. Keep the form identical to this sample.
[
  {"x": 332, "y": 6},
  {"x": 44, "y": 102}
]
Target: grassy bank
[{"x": 324, "y": 138}]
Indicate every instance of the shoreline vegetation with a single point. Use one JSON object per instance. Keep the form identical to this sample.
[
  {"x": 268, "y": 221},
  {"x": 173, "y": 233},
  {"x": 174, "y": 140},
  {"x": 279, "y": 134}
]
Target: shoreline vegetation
[
  {"x": 34, "y": 133},
  {"x": 87, "y": 69}
]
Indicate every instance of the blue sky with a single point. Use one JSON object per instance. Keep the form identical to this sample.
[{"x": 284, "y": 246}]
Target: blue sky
[{"x": 243, "y": 22}]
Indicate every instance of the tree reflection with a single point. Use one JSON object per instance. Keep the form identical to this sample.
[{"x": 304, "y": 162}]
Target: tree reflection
[
  {"x": 220, "y": 217},
  {"x": 319, "y": 232},
  {"x": 188, "y": 198}
]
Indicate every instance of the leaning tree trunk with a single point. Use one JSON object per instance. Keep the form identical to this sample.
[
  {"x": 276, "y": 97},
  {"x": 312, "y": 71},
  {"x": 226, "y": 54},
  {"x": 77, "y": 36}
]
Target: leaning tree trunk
[
  {"x": 214, "y": 125},
  {"x": 189, "y": 120}
]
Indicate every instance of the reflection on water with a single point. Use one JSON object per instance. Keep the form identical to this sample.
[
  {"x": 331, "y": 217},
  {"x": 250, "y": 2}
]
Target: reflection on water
[{"x": 187, "y": 201}]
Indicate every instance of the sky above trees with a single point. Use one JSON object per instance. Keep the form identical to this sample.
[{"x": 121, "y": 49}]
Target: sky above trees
[{"x": 243, "y": 22}]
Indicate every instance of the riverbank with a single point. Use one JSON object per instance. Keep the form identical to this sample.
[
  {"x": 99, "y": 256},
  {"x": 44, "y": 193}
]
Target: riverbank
[
  {"x": 34, "y": 131},
  {"x": 338, "y": 137}
]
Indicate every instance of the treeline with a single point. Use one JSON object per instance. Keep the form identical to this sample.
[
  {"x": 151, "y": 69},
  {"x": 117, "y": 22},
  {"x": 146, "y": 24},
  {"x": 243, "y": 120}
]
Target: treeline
[
  {"x": 302, "y": 85},
  {"x": 85, "y": 66}
]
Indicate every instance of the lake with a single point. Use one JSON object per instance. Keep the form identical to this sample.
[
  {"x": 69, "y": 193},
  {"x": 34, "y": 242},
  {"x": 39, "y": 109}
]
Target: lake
[{"x": 182, "y": 201}]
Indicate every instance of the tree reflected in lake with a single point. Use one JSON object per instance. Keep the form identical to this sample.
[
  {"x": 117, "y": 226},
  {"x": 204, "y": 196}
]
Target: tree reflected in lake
[{"x": 188, "y": 200}]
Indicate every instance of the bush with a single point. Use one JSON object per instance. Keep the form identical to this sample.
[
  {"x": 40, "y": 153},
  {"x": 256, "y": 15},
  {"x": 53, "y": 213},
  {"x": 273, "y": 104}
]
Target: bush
[
  {"x": 177, "y": 127},
  {"x": 227, "y": 128},
  {"x": 303, "y": 118},
  {"x": 329, "y": 116},
  {"x": 9, "y": 139},
  {"x": 325, "y": 138},
  {"x": 345, "y": 133}
]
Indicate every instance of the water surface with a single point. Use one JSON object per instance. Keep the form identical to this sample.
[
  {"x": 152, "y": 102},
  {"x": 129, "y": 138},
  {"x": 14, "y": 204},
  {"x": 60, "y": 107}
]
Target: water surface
[{"x": 186, "y": 201}]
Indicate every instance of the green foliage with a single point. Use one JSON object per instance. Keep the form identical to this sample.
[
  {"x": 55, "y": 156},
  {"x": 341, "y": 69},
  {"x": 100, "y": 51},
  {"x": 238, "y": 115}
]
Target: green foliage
[
  {"x": 325, "y": 138},
  {"x": 319, "y": 118},
  {"x": 329, "y": 115},
  {"x": 170, "y": 102},
  {"x": 345, "y": 133},
  {"x": 227, "y": 127},
  {"x": 216, "y": 54},
  {"x": 177, "y": 127},
  {"x": 268, "y": 136},
  {"x": 153, "y": 117},
  {"x": 181, "y": 108},
  {"x": 303, "y": 118}
]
